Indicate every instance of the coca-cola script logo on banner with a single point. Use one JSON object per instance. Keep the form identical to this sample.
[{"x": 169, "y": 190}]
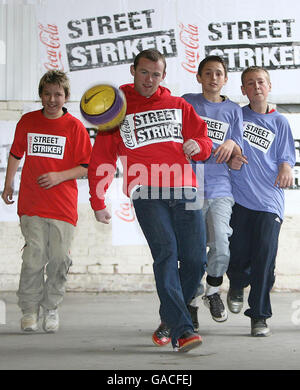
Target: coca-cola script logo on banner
[
  {"x": 50, "y": 38},
  {"x": 189, "y": 37},
  {"x": 126, "y": 212}
]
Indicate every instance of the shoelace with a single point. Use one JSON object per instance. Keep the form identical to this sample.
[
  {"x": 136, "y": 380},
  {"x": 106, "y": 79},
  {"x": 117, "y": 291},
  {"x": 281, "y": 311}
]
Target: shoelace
[
  {"x": 51, "y": 314},
  {"x": 261, "y": 323},
  {"x": 163, "y": 331},
  {"x": 216, "y": 303}
]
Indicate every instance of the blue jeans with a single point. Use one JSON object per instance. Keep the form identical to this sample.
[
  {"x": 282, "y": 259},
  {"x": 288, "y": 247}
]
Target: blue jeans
[
  {"x": 175, "y": 233},
  {"x": 253, "y": 249}
]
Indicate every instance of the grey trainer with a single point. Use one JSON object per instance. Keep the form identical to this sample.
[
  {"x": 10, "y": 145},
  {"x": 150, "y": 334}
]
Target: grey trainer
[
  {"x": 259, "y": 327},
  {"x": 235, "y": 300},
  {"x": 29, "y": 322},
  {"x": 51, "y": 321}
]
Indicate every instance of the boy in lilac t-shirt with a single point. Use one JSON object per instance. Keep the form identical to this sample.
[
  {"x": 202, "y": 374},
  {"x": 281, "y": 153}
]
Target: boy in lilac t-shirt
[
  {"x": 259, "y": 201},
  {"x": 224, "y": 124}
]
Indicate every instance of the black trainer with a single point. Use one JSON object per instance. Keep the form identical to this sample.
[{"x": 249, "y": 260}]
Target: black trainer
[
  {"x": 235, "y": 300},
  {"x": 194, "y": 315},
  {"x": 216, "y": 307},
  {"x": 161, "y": 336}
]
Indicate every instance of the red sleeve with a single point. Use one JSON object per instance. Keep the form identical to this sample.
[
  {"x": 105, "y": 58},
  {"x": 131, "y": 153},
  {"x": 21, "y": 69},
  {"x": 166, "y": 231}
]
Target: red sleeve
[
  {"x": 82, "y": 146},
  {"x": 102, "y": 168},
  {"x": 195, "y": 128}
]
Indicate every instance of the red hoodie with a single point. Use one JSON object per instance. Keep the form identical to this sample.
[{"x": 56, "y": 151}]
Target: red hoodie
[{"x": 149, "y": 145}]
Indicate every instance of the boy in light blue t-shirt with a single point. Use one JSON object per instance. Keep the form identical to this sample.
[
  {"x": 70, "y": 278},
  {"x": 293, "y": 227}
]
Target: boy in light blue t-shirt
[
  {"x": 224, "y": 123},
  {"x": 259, "y": 201}
]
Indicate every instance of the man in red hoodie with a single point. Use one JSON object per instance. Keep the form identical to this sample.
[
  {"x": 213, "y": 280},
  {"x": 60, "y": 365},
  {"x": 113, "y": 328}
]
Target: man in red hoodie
[{"x": 159, "y": 135}]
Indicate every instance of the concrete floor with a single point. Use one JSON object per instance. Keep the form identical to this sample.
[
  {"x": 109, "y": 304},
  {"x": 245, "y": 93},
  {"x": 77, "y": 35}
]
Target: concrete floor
[{"x": 112, "y": 331}]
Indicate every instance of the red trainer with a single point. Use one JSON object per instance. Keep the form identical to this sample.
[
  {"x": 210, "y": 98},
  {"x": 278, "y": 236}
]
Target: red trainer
[
  {"x": 188, "y": 341},
  {"x": 161, "y": 336}
]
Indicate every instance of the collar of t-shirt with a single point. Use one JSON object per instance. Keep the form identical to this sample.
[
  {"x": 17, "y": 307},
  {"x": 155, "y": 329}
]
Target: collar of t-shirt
[{"x": 267, "y": 111}]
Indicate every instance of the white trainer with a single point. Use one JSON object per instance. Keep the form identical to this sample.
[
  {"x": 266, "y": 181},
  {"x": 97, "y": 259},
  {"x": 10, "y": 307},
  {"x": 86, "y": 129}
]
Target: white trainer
[
  {"x": 51, "y": 321},
  {"x": 29, "y": 322}
]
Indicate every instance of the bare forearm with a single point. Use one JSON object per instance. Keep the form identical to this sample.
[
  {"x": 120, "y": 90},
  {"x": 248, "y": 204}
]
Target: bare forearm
[
  {"x": 73, "y": 173},
  {"x": 12, "y": 167},
  {"x": 8, "y": 190},
  {"x": 51, "y": 179}
]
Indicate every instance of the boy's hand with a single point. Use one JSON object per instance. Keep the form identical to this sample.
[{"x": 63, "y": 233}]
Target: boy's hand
[
  {"x": 190, "y": 148},
  {"x": 102, "y": 216},
  {"x": 7, "y": 195},
  {"x": 285, "y": 176},
  {"x": 237, "y": 161},
  {"x": 224, "y": 151},
  {"x": 50, "y": 179}
]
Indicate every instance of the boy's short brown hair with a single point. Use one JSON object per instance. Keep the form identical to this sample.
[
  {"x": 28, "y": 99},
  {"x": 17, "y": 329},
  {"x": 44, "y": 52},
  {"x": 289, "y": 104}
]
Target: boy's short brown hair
[
  {"x": 212, "y": 59},
  {"x": 55, "y": 77},
  {"x": 152, "y": 55},
  {"x": 254, "y": 69}
]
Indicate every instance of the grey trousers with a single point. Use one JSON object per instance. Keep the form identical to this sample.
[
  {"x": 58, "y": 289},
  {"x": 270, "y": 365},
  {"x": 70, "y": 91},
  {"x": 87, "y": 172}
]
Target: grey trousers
[
  {"x": 46, "y": 253},
  {"x": 217, "y": 214}
]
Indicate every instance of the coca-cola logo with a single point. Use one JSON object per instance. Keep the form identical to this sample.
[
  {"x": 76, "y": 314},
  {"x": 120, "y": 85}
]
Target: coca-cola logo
[
  {"x": 49, "y": 37},
  {"x": 126, "y": 212},
  {"x": 189, "y": 37}
]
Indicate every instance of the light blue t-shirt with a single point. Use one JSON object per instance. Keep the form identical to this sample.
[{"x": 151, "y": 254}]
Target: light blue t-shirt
[
  {"x": 224, "y": 121},
  {"x": 268, "y": 142}
]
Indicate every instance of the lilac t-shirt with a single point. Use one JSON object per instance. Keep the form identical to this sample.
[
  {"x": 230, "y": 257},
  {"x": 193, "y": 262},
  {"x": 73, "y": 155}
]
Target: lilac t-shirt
[
  {"x": 268, "y": 142},
  {"x": 224, "y": 121}
]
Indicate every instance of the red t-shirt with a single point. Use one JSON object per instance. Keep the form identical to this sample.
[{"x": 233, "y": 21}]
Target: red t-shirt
[{"x": 50, "y": 145}]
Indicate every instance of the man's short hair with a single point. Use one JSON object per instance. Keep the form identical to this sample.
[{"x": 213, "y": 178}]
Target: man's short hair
[{"x": 152, "y": 55}]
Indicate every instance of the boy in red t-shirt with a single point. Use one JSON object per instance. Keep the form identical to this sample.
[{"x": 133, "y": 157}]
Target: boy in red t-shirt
[{"x": 57, "y": 151}]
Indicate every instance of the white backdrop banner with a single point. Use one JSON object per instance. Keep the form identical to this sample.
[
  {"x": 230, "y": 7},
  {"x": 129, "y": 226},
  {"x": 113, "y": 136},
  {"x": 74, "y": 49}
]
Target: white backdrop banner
[{"x": 96, "y": 41}]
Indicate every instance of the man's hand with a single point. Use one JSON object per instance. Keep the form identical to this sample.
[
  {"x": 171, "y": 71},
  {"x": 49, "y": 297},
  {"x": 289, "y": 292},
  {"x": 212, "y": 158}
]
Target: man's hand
[
  {"x": 102, "y": 216},
  {"x": 190, "y": 148}
]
